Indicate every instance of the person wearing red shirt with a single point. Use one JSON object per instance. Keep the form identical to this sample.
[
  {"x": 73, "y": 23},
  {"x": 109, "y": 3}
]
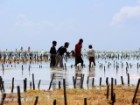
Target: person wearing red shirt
[{"x": 78, "y": 54}]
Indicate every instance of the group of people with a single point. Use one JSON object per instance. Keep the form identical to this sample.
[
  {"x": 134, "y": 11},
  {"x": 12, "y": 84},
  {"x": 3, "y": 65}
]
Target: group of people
[{"x": 56, "y": 56}]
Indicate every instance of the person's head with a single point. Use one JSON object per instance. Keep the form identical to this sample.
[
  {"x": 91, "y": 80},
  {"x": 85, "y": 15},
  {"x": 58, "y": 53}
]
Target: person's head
[
  {"x": 90, "y": 46},
  {"x": 54, "y": 43},
  {"x": 81, "y": 41},
  {"x": 66, "y": 44}
]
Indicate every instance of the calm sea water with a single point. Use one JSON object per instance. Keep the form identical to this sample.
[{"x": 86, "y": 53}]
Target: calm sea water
[{"x": 103, "y": 69}]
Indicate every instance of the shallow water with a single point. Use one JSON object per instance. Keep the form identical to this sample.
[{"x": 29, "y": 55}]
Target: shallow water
[{"x": 103, "y": 69}]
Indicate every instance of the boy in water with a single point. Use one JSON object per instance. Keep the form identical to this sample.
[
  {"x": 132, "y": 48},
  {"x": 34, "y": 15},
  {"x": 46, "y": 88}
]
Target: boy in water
[
  {"x": 53, "y": 54},
  {"x": 91, "y": 55},
  {"x": 78, "y": 54},
  {"x": 60, "y": 54}
]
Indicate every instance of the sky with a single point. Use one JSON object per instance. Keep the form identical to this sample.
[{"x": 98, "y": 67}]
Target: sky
[{"x": 105, "y": 24}]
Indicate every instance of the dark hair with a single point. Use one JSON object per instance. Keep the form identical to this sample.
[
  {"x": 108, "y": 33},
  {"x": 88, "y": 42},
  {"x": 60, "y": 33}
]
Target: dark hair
[
  {"x": 90, "y": 46},
  {"x": 66, "y": 44},
  {"x": 54, "y": 42},
  {"x": 81, "y": 40}
]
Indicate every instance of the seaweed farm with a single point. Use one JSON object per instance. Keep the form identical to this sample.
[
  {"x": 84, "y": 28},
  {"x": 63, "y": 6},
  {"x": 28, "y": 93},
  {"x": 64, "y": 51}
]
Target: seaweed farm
[{"x": 31, "y": 76}]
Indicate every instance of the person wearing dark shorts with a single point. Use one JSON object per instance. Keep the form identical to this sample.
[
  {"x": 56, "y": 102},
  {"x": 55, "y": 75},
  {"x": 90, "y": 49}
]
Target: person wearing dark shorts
[
  {"x": 91, "y": 55},
  {"x": 78, "y": 54},
  {"x": 53, "y": 54}
]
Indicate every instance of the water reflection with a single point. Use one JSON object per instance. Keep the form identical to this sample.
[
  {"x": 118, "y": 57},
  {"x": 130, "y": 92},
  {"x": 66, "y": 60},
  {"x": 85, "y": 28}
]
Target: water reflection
[
  {"x": 75, "y": 77},
  {"x": 57, "y": 75}
]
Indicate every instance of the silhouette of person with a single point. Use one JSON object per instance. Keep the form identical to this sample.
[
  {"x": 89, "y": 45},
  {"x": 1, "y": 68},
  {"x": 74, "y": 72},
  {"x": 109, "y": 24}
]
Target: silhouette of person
[
  {"x": 53, "y": 54},
  {"x": 78, "y": 54},
  {"x": 60, "y": 53}
]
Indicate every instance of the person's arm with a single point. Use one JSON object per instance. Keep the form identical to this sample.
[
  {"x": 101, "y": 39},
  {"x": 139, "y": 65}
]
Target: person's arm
[
  {"x": 87, "y": 54},
  {"x": 51, "y": 50},
  {"x": 93, "y": 53}
]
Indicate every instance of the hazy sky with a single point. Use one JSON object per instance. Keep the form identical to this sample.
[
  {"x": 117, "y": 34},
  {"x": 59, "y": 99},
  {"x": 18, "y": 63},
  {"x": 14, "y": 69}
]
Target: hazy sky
[{"x": 106, "y": 24}]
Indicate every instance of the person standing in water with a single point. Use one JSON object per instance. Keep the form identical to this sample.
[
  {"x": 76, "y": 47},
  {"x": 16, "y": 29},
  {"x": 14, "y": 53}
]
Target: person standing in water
[
  {"x": 60, "y": 53},
  {"x": 78, "y": 54},
  {"x": 91, "y": 55},
  {"x": 53, "y": 54}
]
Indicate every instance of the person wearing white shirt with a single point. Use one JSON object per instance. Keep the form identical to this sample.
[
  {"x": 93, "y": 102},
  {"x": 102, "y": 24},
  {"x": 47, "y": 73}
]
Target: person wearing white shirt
[{"x": 91, "y": 55}]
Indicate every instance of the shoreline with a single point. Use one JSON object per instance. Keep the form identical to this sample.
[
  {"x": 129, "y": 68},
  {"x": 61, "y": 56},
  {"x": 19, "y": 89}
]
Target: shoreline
[{"x": 93, "y": 96}]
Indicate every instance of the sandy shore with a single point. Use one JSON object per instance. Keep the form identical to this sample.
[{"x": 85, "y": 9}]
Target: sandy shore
[{"x": 93, "y": 96}]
